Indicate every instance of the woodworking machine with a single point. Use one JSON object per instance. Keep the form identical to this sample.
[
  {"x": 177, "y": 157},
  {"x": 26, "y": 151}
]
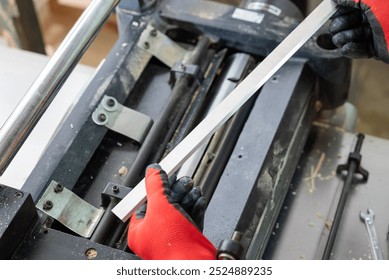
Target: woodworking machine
[{"x": 268, "y": 174}]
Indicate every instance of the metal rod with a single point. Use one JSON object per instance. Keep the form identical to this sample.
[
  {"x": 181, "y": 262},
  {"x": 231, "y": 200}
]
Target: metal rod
[
  {"x": 234, "y": 68},
  {"x": 339, "y": 211},
  {"x": 137, "y": 169},
  {"x": 348, "y": 183},
  {"x": 247, "y": 88},
  {"x": 39, "y": 96},
  {"x": 106, "y": 223}
]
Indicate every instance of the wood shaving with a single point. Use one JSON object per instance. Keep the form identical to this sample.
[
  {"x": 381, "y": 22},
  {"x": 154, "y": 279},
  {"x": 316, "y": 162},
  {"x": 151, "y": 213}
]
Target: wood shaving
[
  {"x": 123, "y": 171},
  {"x": 315, "y": 173},
  {"x": 329, "y": 224}
]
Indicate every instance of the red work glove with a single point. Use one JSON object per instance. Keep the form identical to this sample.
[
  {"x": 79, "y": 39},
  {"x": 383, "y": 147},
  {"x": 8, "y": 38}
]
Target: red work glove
[
  {"x": 361, "y": 28},
  {"x": 165, "y": 231}
]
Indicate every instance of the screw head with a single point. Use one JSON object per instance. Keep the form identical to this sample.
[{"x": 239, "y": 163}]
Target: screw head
[
  {"x": 115, "y": 189},
  {"x": 102, "y": 117},
  {"x": 58, "y": 188},
  {"x": 48, "y": 205},
  {"x": 110, "y": 102},
  {"x": 153, "y": 32}
]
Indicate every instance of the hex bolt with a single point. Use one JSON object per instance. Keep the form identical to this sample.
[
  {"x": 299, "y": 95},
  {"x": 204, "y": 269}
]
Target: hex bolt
[
  {"x": 102, "y": 117},
  {"x": 47, "y": 205},
  {"x": 58, "y": 188},
  {"x": 110, "y": 102},
  {"x": 115, "y": 189}
]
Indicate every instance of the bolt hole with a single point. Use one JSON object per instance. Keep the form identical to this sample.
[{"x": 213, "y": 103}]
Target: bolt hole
[
  {"x": 324, "y": 41},
  {"x": 240, "y": 156},
  {"x": 274, "y": 78},
  {"x": 146, "y": 45},
  {"x": 91, "y": 253},
  {"x": 45, "y": 231}
]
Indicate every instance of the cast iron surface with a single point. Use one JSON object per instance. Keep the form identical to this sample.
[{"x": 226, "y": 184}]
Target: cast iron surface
[{"x": 268, "y": 143}]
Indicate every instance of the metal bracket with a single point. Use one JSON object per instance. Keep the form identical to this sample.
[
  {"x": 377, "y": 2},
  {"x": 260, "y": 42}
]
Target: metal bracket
[
  {"x": 121, "y": 119},
  {"x": 115, "y": 191},
  {"x": 162, "y": 47},
  {"x": 69, "y": 209},
  {"x": 185, "y": 69}
]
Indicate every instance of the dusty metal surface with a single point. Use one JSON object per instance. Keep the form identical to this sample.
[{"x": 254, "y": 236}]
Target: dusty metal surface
[
  {"x": 162, "y": 47},
  {"x": 304, "y": 222},
  {"x": 122, "y": 119},
  {"x": 70, "y": 210}
]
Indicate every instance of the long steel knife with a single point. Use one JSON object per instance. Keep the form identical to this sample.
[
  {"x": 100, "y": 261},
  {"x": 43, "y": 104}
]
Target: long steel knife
[{"x": 251, "y": 84}]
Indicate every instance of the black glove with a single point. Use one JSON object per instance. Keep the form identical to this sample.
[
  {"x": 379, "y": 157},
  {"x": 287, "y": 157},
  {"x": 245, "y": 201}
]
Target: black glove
[
  {"x": 361, "y": 28},
  {"x": 190, "y": 198},
  {"x": 183, "y": 193}
]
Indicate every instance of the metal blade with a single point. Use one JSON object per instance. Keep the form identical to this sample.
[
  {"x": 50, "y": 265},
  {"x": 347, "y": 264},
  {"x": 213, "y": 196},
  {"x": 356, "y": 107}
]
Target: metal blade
[{"x": 205, "y": 129}]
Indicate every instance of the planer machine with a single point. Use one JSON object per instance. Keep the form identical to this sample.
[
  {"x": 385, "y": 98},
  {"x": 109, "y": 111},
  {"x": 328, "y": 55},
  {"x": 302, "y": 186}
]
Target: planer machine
[{"x": 274, "y": 175}]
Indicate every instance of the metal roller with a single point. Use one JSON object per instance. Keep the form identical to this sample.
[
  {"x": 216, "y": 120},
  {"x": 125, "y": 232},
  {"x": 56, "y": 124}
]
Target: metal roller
[{"x": 46, "y": 86}]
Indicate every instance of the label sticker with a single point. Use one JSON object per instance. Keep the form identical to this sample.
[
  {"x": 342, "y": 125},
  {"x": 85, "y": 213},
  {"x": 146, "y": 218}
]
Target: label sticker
[
  {"x": 258, "y": 6},
  {"x": 247, "y": 15}
]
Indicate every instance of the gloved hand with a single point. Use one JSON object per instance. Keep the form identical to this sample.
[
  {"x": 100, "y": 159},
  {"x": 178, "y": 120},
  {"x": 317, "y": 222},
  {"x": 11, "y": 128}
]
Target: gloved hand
[
  {"x": 361, "y": 28},
  {"x": 165, "y": 228}
]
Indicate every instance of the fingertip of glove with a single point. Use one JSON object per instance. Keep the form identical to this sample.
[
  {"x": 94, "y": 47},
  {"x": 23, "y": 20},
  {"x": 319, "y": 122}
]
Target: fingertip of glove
[
  {"x": 153, "y": 166},
  {"x": 156, "y": 167},
  {"x": 186, "y": 182},
  {"x": 337, "y": 40}
]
